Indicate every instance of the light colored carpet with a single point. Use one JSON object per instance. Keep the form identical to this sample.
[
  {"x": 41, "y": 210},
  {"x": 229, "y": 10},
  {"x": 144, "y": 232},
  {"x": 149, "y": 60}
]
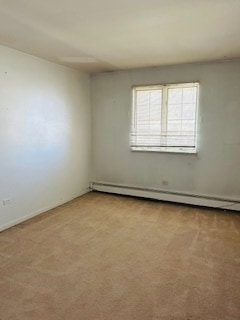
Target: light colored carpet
[{"x": 109, "y": 257}]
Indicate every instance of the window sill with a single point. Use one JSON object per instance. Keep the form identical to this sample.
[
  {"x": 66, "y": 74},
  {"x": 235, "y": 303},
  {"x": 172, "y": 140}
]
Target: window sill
[{"x": 165, "y": 150}]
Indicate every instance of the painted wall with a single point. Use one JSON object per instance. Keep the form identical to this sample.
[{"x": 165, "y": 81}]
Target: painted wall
[
  {"x": 44, "y": 135},
  {"x": 215, "y": 171}
]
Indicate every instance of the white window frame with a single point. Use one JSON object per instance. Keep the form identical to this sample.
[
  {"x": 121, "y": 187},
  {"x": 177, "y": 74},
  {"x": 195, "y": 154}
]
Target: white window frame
[{"x": 164, "y": 109}]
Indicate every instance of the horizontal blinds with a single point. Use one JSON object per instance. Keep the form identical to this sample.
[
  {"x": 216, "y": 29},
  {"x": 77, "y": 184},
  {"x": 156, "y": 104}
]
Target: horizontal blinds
[
  {"x": 147, "y": 118},
  {"x": 164, "y": 117}
]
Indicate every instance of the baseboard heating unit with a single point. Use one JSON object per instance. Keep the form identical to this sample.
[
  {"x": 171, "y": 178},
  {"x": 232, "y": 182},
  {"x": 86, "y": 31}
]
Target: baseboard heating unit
[{"x": 193, "y": 199}]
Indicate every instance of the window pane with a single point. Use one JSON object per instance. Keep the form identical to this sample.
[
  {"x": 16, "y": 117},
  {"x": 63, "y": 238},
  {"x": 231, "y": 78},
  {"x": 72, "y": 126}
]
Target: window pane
[
  {"x": 174, "y": 126},
  {"x": 188, "y": 125},
  {"x": 188, "y": 111},
  {"x": 142, "y": 98},
  {"x": 147, "y": 119},
  {"x": 181, "y": 118},
  {"x": 174, "y": 111},
  {"x": 190, "y": 95},
  {"x": 155, "y": 97},
  {"x": 174, "y": 96},
  {"x": 155, "y": 113}
]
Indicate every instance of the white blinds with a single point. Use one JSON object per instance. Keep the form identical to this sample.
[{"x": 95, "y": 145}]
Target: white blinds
[
  {"x": 147, "y": 118},
  {"x": 164, "y": 117}
]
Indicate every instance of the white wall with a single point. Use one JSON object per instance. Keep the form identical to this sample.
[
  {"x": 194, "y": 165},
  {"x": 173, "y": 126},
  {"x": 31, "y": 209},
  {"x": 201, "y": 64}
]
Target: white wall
[
  {"x": 215, "y": 171},
  {"x": 44, "y": 135}
]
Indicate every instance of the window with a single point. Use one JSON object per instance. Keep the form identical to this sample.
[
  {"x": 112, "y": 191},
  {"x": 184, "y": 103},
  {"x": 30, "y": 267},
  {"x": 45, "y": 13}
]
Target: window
[{"x": 164, "y": 118}]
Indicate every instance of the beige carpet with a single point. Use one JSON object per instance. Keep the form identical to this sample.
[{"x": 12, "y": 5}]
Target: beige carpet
[{"x": 109, "y": 257}]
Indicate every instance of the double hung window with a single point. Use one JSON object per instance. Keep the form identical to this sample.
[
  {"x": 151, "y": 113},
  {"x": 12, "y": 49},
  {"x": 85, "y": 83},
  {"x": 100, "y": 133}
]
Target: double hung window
[{"x": 164, "y": 118}]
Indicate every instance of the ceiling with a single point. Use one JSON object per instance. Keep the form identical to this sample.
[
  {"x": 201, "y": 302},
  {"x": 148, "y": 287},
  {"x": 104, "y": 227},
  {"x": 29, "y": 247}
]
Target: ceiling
[{"x": 107, "y": 35}]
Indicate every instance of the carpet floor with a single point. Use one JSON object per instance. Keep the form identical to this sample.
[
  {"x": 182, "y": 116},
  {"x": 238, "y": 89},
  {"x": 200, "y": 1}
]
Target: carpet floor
[{"x": 108, "y": 257}]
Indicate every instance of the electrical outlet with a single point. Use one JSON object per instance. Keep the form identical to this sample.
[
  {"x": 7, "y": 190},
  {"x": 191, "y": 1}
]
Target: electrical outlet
[
  {"x": 6, "y": 202},
  {"x": 165, "y": 182}
]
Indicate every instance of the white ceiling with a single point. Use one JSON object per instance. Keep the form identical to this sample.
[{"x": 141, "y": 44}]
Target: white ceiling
[{"x": 107, "y": 35}]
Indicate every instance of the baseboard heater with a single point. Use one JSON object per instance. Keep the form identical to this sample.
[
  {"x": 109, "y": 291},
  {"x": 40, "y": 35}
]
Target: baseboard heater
[{"x": 193, "y": 199}]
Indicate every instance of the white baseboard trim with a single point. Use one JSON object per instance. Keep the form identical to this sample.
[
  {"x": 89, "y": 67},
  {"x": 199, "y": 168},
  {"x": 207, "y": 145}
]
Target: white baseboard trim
[
  {"x": 42, "y": 210},
  {"x": 193, "y": 199}
]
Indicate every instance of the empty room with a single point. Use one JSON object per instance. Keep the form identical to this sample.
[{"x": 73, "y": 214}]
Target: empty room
[{"x": 120, "y": 160}]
